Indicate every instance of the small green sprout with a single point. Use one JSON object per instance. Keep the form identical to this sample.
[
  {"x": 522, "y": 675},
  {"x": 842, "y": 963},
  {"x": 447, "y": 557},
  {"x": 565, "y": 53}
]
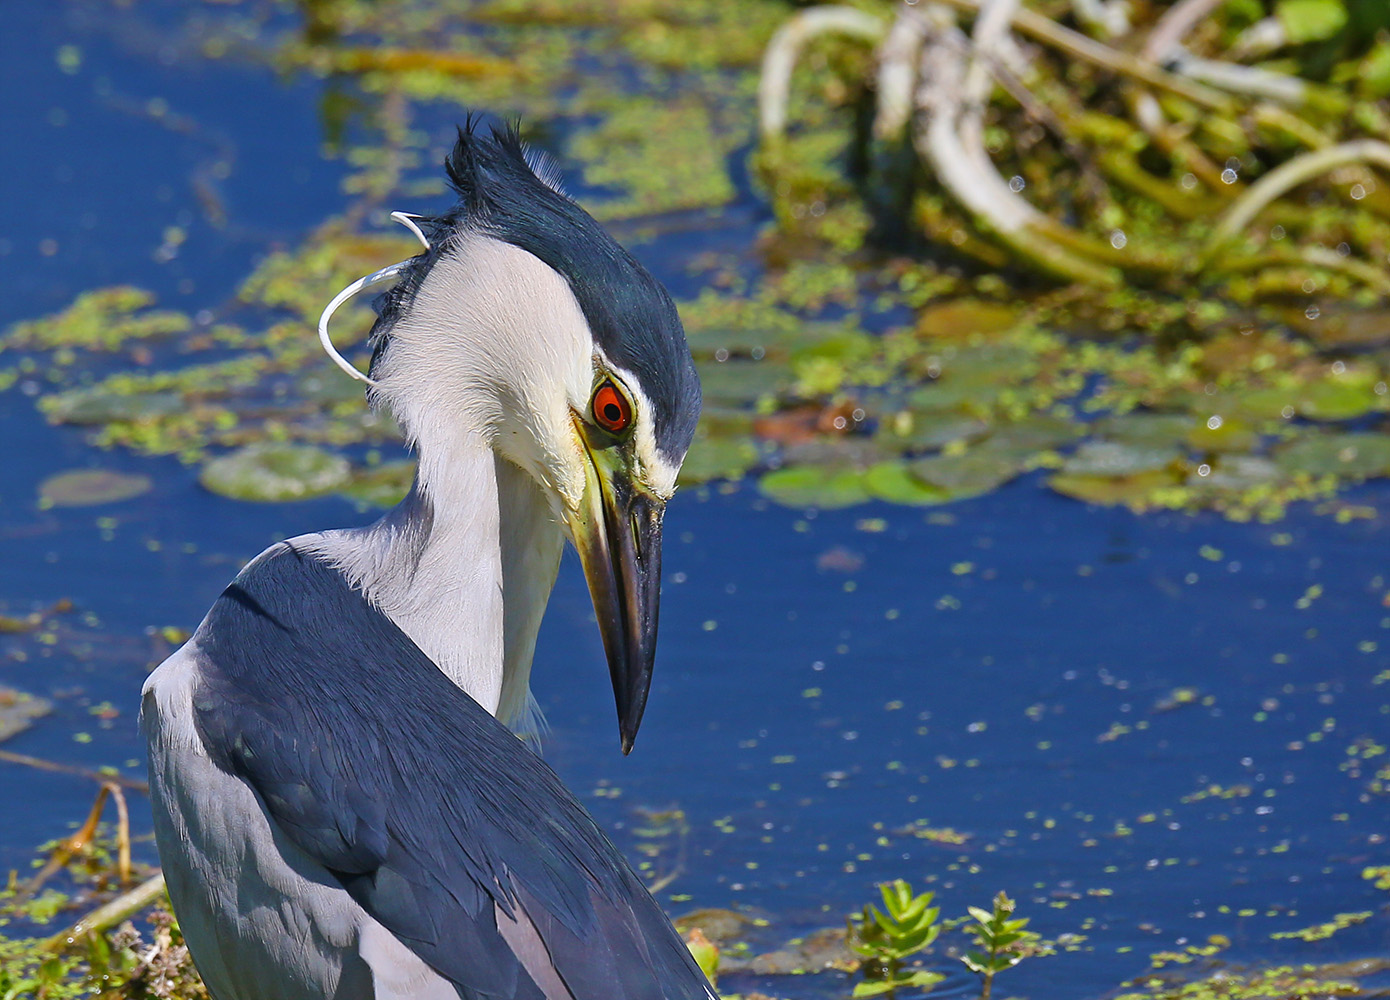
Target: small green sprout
[
  {"x": 1002, "y": 942},
  {"x": 905, "y": 925}
]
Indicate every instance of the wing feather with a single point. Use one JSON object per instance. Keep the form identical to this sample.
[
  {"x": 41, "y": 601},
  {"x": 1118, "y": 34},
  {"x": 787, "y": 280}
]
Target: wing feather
[{"x": 432, "y": 815}]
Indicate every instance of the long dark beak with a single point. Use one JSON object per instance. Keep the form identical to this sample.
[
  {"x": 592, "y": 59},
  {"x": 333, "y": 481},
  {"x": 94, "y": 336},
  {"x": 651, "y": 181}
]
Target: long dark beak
[{"x": 618, "y": 535}]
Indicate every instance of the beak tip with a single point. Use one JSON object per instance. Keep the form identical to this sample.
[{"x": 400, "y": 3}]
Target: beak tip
[{"x": 627, "y": 742}]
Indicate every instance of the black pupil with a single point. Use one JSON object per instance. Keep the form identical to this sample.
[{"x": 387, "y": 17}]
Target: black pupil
[{"x": 612, "y": 412}]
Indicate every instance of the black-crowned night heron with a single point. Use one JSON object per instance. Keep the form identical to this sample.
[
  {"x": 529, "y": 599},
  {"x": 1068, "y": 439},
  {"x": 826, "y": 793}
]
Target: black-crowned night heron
[{"x": 337, "y": 811}]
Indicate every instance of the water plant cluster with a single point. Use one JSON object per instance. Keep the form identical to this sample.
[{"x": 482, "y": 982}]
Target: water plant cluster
[{"x": 847, "y": 364}]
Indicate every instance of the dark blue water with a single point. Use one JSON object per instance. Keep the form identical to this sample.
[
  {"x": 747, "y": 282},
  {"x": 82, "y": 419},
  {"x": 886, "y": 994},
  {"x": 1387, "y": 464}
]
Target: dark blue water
[{"x": 1004, "y": 667}]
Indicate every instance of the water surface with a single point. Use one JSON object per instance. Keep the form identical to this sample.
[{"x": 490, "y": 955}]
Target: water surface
[{"x": 1062, "y": 686}]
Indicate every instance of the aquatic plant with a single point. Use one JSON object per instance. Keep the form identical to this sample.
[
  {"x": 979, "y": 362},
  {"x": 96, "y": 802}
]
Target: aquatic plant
[
  {"x": 1142, "y": 150},
  {"x": 887, "y": 937},
  {"x": 1001, "y": 941},
  {"x": 834, "y": 375}
]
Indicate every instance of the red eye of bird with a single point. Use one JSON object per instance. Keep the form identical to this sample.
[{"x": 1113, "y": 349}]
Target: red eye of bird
[{"x": 611, "y": 410}]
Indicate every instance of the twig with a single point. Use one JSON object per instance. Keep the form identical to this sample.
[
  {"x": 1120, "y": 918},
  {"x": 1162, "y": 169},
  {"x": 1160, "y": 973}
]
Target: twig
[
  {"x": 1288, "y": 176},
  {"x": 1247, "y": 81},
  {"x": 897, "y": 71},
  {"x": 1110, "y": 20},
  {"x": 122, "y": 833},
  {"x": 779, "y": 59},
  {"x": 1359, "y": 269},
  {"x": 964, "y": 169},
  {"x": 134, "y": 784},
  {"x": 68, "y": 847},
  {"x": 112, "y": 913},
  {"x": 1175, "y": 24},
  {"x": 1260, "y": 39},
  {"x": 1089, "y": 50}
]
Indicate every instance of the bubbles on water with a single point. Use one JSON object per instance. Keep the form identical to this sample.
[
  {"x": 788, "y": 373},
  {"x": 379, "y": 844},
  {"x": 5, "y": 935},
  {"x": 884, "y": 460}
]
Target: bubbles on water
[
  {"x": 1228, "y": 176},
  {"x": 1312, "y": 312},
  {"x": 1118, "y": 239},
  {"x": 1214, "y": 422},
  {"x": 1017, "y": 183}
]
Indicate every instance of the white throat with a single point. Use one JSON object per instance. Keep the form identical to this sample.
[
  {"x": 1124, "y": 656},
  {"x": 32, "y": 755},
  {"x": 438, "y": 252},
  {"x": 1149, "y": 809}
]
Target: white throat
[{"x": 464, "y": 566}]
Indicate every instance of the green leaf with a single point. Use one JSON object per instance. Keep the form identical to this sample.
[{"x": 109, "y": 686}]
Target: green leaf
[
  {"x": 1359, "y": 456},
  {"x": 1374, "y": 72},
  {"x": 873, "y": 989},
  {"x": 815, "y": 486},
  {"x": 1311, "y": 20},
  {"x": 922, "y": 977},
  {"x": 275, "y": 472}
]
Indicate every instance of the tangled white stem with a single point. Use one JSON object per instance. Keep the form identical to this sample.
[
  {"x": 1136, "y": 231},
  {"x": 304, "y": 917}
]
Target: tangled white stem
[
  {"x": 1299, "y": 170},
  {"x": 779, "y": 60}
]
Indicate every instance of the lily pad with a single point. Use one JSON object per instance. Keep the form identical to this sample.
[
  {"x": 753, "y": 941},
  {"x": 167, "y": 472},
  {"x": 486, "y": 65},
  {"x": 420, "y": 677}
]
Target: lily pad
[
  {"x": 90, "y": 407},
  {"x": 1147, "y": 430},
  {"x": 842, "y": 450},
  {"x": 1113, "y": 459},
  {"x": 89, "y": 487},
  {"x": 894, "y": 482},
  {"x": 1134, "y": 490},
  {"x": 1242, "y": 472},
  {"x": 1222, "y": 434},
  {"x": 739, "y": 383},
  {"x": 970, "y": 474},
  {"x": 1337, "y": 400},
  {"x": 815, "y": 486},
  {"x": 383, "y": 486},
  {"x": 1040, "y": 432},
  {"x": 275, "y": 472},
  {"x": 18, "y": 711},
  {"x": 910, "y": 431},
  {"x": 1361, "y": 456},
  {"x": 1328, "y": 399},
  {"x": 718, "y": 458},
  {"x": 961, "y": 318}
]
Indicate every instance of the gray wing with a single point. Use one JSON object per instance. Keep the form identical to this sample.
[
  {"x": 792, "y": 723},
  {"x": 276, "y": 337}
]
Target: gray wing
[{"x": 437, "y": 820}]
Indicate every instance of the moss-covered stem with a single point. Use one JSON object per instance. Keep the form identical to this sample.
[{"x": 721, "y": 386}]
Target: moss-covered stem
[
  {"x": 779, "y": 59},
  {"x": 125, "y": 905},
  {"x": 1288, "y": 176},
  {"x": 953, "y": 148},
  {"x": 1096, "y": 53}
]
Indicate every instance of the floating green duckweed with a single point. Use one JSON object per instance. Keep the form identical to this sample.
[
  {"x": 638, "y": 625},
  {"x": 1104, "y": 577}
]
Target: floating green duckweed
[
  {"x": 276, "y": 472},
  {"x": 90, "y": 487},
  {"x": 832, "y": 374},
  {"x": 1230, "y": 984},
  {"x": 105, "y": 319}
]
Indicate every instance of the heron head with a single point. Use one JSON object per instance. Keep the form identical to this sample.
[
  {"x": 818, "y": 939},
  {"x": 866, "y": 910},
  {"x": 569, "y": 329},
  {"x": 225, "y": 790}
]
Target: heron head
[{"x": 525, "y": 325}]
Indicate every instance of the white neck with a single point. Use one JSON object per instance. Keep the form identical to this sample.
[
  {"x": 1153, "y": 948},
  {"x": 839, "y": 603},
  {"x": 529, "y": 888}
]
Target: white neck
[{"x": 464, "y": 565}]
